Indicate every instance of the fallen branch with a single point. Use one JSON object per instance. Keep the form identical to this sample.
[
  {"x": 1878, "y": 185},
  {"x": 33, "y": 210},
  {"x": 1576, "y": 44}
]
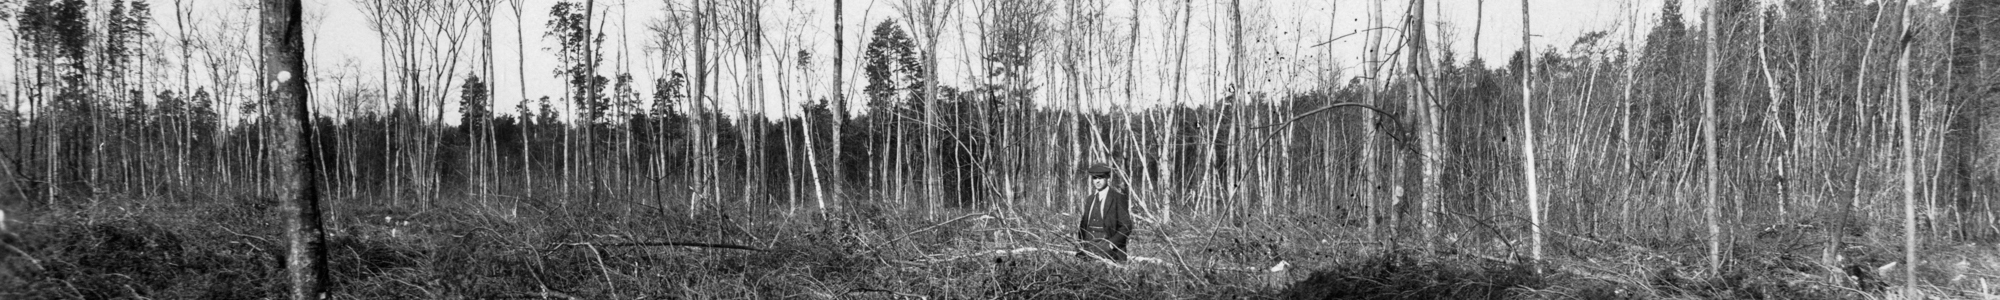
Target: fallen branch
[
  {"x": 545, "y": 294},
  {"x": 24, "y": 254},
  {"x": 1059, "y": 253},
  {"x": 1176, "y": 251},
  {"x": 927, "y": 228},
  {"x": 1150, "y": 260},
  {"x": 1015, "y": 251},
  {"x": 1628, "y": 246},
  {"x": 892, "y": 293},
  {"x": 655, "y": 244},
  {"x": 1556, "y": 267},
  {"x": 1280, "y": 266}
]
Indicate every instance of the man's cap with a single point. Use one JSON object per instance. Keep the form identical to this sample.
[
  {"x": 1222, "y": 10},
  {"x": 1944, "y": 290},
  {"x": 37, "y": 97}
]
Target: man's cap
[{"x": 1097, "y": 168}]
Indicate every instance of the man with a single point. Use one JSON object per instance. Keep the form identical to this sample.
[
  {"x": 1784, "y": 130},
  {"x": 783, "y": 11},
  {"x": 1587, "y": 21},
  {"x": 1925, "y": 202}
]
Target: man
[{"x": 1107, "y": 220}]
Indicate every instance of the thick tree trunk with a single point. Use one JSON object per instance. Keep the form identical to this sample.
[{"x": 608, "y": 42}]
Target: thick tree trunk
[
  {"x": 284, "y": 68},
  {"x": 933, "y": 167},
  {"x": 704, "y": 140},
  {"x": 1431, "y": 148}
]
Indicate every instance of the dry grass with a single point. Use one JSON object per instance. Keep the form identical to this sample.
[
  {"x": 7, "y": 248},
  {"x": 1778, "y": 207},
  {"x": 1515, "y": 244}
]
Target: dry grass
[{"x": 227, "y": 252}]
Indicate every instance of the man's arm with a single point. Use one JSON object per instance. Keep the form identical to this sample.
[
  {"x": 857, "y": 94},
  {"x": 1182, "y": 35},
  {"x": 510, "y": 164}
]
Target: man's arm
[
  {"x": 1083, "y": 220},
  {"x": 1121, "y": 211}
]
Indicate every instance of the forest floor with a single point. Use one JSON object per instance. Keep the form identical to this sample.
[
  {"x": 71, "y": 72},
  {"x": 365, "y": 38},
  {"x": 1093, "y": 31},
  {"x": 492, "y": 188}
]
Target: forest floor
[{"x": 233, "y": 251}]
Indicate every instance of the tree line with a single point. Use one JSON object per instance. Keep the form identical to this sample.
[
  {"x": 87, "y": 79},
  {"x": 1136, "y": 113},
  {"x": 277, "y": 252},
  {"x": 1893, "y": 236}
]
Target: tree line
[{"x": 1804, "y": 106}]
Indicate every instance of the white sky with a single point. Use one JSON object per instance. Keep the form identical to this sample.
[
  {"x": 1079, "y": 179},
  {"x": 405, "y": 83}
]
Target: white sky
[{"x": 1281, "y": 36}]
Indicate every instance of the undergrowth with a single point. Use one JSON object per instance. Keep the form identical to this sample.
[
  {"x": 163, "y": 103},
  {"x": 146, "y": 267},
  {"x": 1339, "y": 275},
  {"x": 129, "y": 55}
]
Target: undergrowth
[{"x": 113, "y": 251}]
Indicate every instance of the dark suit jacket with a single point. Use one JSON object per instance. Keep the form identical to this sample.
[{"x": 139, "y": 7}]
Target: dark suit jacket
[{"x": 1110, "y": 220}]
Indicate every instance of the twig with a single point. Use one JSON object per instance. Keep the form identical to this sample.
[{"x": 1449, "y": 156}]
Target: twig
[
  {"x": 226, "y": 229},
  {"x": 1559, "y": 268},
  {"x": 1354, "y": 33},
  {"x": 1099, "y": 258},
  {"x": 1490, "y": 227},
  {"x": 892, "y": 293},
  {"x": 1628, "y": 246},
  {"x": 599, "y": 254},
  {"x": 1176, "y": 251},
  {"x": 1014, "y": 251},
  {"x": 31, "y": 258},
  {"x": 1391, "y": 116},
  {"x": 655, "y": 244},
  {"x": 1150, "y": 260},
  {"x": 926, "y": 228},
  {"x": 544, "y": 294}
]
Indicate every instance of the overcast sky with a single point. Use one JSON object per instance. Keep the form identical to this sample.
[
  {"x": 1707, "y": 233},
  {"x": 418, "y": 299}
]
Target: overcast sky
[{"x": 1288, "y": 41}]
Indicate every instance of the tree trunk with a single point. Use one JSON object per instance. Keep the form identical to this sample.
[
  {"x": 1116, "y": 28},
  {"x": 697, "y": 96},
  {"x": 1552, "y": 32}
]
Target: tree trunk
[
  {"x": 933, "y": 168},
  {"x": 1528, "y": 136},
  {"x": 1771, "y": 118},
  {"x": 284, "y": 67},
  {"x": 521, "y": 74},
  {"x": 1909, "y": 156},
  {"x": 590, "y": 96},
  {"x": 1625, "y": 135},
  {"x": 1431, "y": 148},
  {"x": 839, "y": 109},
  {"x": 1237, "y": 98},
  {"x": 1708, "y": 143},
  {"x": 704, "y": 145}
]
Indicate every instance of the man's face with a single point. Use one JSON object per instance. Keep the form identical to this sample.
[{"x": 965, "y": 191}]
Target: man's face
[{"x": 1099, "y": 181}]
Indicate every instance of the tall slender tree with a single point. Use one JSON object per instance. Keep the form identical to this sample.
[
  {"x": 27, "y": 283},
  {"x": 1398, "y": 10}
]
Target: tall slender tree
[
  {"x": 1711, "y": 175},
  {"x": 1528, "y": 135},
  {"x": 1909, "y": 161},
  {"x": 1236, "y": 113},
  {"x": 839, "y": 108},
  {"x": 521, "y": 83}
]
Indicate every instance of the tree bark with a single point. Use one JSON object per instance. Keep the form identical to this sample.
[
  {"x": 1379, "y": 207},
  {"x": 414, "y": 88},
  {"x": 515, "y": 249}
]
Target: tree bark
[
  {"x": 1431, "y": 148},
  {"x": 284, "y": 68},
  {"x": 1369, "y": 168},
  {"x": 839, "y": 108},
  {"x": 1237, "y": 94},
  {"x": 1708, "y": 143},
  {"x": 1909, "y": 156},
  {"x": 704, "y": 144}
]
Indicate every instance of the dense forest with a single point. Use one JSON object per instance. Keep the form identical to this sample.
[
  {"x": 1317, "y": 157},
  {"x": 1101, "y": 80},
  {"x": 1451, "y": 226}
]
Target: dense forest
[{"x": 1824, "y": 124}]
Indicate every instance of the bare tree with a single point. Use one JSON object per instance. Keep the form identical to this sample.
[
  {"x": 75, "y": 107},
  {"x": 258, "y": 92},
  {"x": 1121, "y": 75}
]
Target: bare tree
[
  {"x": 705, "y": 144},
  {"x": 1528, "y": 135},
  {"x": 839, "y": 108},
  {"x": 1238, "y": 83},
  {"x": 1430, "y": 156},
  {"x": 1369, "y": 168},
  {"x": 1909, "y": 160},
  {"x": 1168, "y": 146},
  {"x": 423, "y": 41},
  {"x": 521, "y": 74},
  {"x": 928, "y": 17}
]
